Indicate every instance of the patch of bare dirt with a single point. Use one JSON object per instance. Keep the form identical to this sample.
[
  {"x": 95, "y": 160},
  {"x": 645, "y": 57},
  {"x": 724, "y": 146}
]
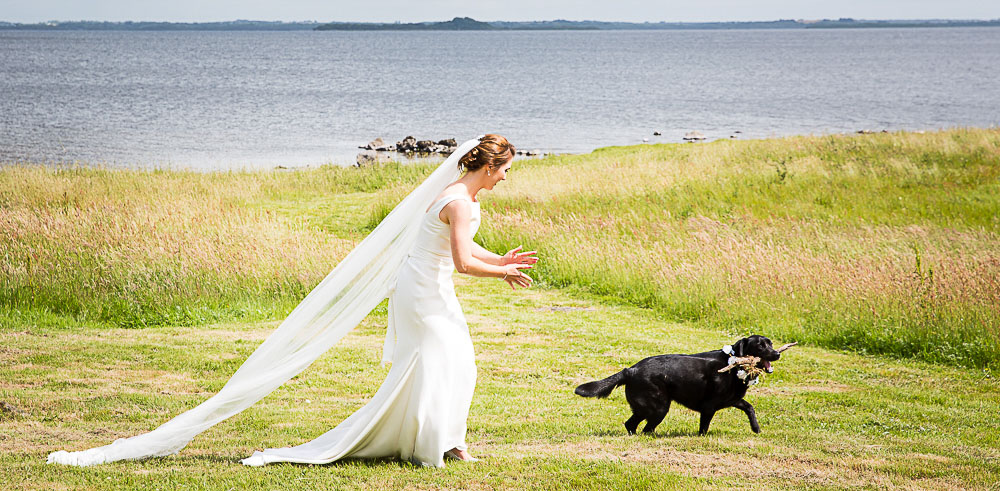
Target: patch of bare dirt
[
  {"x": 939, "y": 483},
  {"x": 562, "y": 308},
  {"x": 931, "y": 457},
  {"x": 121, "y": 378},
  {"x": 780, "y": 465},
  {"x": 6, "y": 350},
  {"x": 483, "y": 324},
  {"x": 790, "y": 467},
  {"x": 801, "y": 389},
  {"x": 258, "y": 334},
  {"x": 35, "y": 436}
]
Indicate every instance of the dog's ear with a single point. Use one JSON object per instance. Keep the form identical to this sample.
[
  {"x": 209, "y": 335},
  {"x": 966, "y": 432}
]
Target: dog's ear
[{"x": 740, "y": 347}]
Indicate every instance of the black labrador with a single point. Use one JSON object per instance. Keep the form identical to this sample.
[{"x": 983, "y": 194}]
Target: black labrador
[{"x": 692, "y": 380}]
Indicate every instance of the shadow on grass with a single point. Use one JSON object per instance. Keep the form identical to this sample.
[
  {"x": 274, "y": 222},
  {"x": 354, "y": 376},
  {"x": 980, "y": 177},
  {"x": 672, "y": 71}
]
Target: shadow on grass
[
  {"x": 659, "y": 433},
  {"x": 226, "y": 459}
]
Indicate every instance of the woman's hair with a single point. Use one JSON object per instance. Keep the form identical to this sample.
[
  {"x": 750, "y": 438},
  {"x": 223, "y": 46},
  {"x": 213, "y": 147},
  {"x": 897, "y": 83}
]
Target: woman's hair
[{"x": 493, "y": 150}]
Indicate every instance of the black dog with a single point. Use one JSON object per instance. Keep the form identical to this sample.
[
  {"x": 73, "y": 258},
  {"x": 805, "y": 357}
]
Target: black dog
[{"x": 692, "y": 380}]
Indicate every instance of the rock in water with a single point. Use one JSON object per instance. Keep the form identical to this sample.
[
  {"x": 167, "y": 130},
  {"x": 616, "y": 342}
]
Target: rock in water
[{"x": 409, "y": 144}]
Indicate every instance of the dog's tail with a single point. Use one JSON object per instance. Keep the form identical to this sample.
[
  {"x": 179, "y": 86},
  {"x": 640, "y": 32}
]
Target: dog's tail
[{"x": 603, "y": 388}]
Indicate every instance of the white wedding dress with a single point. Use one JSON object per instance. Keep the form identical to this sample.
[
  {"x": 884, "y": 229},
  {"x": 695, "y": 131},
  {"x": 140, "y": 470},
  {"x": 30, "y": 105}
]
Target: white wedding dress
[{"x": 420, "y": 410}]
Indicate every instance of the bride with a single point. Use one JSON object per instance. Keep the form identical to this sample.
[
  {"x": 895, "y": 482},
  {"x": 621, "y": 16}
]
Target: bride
[{"x": 420, "y": 411}]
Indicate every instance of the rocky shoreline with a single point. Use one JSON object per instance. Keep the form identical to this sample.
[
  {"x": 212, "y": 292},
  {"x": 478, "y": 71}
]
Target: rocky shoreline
[{"x": 378, "y": 150}]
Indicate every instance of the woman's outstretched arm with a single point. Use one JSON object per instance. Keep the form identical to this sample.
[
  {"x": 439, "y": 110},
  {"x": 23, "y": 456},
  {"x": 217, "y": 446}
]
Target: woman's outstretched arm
[
  {"x": 458, "y": 216},
  {"x": 513, "y": 256},
  {"x": 484, "y": 255}
]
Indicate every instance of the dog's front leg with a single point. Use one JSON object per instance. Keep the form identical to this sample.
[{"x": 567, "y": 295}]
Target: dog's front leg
[
  {"x": 706, "y": 420},
  {"x": 746, "y": 407}
]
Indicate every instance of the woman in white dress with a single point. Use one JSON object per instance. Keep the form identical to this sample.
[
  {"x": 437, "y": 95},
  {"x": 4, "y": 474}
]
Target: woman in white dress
[{"x": 419, "y": 413}]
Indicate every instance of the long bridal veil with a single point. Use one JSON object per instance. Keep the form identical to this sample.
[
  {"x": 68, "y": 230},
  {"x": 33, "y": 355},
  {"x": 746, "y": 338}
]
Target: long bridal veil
[{"x": 356, "y": 286}]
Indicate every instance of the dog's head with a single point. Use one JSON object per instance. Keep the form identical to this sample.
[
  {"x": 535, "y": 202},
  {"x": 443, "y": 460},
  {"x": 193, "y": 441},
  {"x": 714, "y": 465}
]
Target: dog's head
[{"x": 758, "y": 346}]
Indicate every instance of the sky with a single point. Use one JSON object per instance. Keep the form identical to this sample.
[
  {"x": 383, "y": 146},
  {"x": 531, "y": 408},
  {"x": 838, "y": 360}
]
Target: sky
[{"x": 491, "y": 10}]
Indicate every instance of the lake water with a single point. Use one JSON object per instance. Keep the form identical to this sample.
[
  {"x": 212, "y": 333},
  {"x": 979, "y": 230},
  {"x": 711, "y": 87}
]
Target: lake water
[{"x": 222, "y": 100}]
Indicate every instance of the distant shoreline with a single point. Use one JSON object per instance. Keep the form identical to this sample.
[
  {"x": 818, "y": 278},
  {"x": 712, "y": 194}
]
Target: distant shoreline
[
  {"x": 430, "y": 158},
  {"x": 469, "y": 24}
]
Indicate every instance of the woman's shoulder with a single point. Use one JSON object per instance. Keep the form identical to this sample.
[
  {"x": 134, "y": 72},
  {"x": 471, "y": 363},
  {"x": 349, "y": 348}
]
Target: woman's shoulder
[
  {"x": 445, "y": 200},
  {"x": 454, "y": 192},
  {"x": 454, "y": 201}
]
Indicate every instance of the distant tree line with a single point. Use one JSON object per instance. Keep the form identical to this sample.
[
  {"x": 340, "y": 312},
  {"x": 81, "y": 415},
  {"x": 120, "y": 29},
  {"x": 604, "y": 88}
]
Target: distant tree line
[
  {"x": 469, "y": 24},
  {"x": 237, "y": 25}
]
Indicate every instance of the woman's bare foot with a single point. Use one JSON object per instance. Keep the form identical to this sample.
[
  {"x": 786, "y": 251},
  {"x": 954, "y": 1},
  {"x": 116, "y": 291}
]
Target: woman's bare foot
[{"x": 460, "y": 455}]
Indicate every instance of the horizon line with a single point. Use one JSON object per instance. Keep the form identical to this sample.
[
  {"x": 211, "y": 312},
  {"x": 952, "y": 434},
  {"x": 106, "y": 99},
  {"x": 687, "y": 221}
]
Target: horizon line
[{"x": 313, "y": 21}]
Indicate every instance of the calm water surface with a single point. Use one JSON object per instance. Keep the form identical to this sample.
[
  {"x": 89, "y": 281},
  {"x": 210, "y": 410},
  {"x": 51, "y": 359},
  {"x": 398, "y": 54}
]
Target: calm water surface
[{"x": 222, "y": 100}]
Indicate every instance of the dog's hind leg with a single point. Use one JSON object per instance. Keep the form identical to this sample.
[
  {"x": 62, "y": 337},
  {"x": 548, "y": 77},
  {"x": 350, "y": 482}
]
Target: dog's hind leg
[
  {"x": 746, "y": 407},
  {"x": 655, "y": 418},
  {"x": 706, "y": 419},
  {"x": 633, "y": 423},
  {"x": 642, "y": 406},
  {"x": 652, "y": 422}
]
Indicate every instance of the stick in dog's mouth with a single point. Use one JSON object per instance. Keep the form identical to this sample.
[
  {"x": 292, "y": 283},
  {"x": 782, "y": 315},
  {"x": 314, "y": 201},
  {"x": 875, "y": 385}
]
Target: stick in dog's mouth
[
  {"x": 783, "y": 348},
  {"x": 767, "y": 365},
  {"x": 748, "y": 361}
]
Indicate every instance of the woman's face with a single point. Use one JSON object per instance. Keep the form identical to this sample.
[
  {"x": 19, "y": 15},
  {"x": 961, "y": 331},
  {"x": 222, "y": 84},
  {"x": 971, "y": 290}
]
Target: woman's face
[{"x": 498, "y": 174}]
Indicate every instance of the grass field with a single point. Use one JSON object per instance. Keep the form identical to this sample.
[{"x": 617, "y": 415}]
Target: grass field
[{"x": 128, "y": 297}]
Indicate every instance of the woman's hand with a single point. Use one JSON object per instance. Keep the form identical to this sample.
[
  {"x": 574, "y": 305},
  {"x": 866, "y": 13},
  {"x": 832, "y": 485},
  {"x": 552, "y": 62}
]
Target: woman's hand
[
  {"x": 515, "y": 256},
  {"x": 513, "y": 262},
  {"x": 515, "y": 277}
]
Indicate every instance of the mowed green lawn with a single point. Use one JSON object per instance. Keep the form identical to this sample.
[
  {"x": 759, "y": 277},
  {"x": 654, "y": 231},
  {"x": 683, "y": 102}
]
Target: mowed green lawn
[
  {"x": 127, "y": 297},
  {"x": 828, "y": 418}
]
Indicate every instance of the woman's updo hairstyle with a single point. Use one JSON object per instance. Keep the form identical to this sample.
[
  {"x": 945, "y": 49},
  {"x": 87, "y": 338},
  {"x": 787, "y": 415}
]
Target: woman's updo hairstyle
[{"x": 493, "y": 150}]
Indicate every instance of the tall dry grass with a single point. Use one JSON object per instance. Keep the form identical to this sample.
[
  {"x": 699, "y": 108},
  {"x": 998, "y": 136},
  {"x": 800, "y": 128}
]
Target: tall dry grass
[
  {"x": 875, "y": 243},
  {"x": 882, "y": 243},
  {"x": 150, "y": 248}
]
